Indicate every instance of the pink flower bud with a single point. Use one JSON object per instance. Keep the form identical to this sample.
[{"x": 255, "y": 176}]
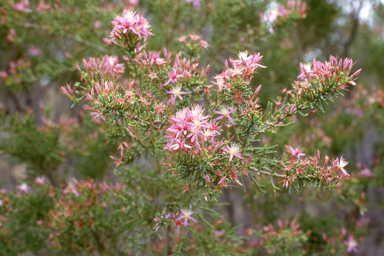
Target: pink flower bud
[
  {"x": 356, "y": 73},
  {"x": 40, "y": 180},
  {"x": 333, "y": 60},
  {"x": 208, "y": 180}
]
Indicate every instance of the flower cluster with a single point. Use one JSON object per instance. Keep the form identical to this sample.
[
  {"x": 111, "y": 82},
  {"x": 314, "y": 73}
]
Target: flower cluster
[
  {"x": 377, "y": 99},
  {"x": 296, "y": 153},
  {"x": 286, "y": 237},
  {"x": 108, "y": 97},
  {"x": 174, "y": 219},
  {"x": 129, "y": 26},
  {"x": 65, "y": 212},
  {"x": 338, "y": 238},
  {"x": 22, "y": 6},
  {"x": 312, "y": 168},
  {"x": 160, "y": 70},
  {"x": 281, "y": 12},
  {"x": 101, "y": 71},
  {"x": 152, "y": 60},
  {"x": 187, "y": 71},
  {"x": 76, "y": 207},
  {"x": 193, "y": 44},
  {"x": 18, "y": 74},
  {"x": 107, "y": 66},
  {"x": 190, "y": 130},
  {"x": 328, "y": 70},
  {"x": 326, "y": 78},
  {"x": 316, "y": 85},
  {"x": 241, "y": 73}
]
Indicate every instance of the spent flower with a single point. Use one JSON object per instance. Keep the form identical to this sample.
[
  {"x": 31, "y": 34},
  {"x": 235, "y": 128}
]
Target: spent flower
[
  {"x": 233, "y": 150},
  {"x": 224, "y": 112}
]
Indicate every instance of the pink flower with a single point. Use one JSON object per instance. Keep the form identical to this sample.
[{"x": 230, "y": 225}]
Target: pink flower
[
  {"x": 177, "y": 223},
  {"x": 42, "y": 6},
  {"x": 3, "y": 75},
  {"x": 352, "y": 244},
  {"x": 244, "y": 59},
  {"x": 40, "y": 180},
  {"x": 173, "y": 77},
  {"x": 296, "y": 152},
  {"x": 34, "y": 51},
  {"x": 367, "y": 173},
  {"x": 248, "y": 61},
  {"x": 194, "y": 37},
  {"x": 306, "y": 71},
  {"x": 22, "y": 6},
  {"x": 97, "y": 24},
  {"x": 196, "y": 3},
  {"x": 132, "y": 2},
  {"x": 287, "y": 181},
  {"x": 220, "y": 82},
  {"x": 213, "y": 126},
  {"x": 204, "y": 44},
  {"x": 186, "y": 215},
  {"x": 71, "y": 188},
  {"x": 23, "y": 188},
  {"x": 208, "y": 133},
  {"x": 198, "y": 123},
  {"x": 255, "y": 59},
  {"x": 155, "y": 57},
  {"x": 236, "y": 71},
  {"x": 160, "y": 108},
  {"x": 224, "y": 112},
  {"x": 116, "y": 67},
  {"x": 233, "y": 150},
  {"x": 194, "y": 135},
  {"x": 176, "y": 91},
  {"x": 219, "y": 233},
  {"x": 130, "y": 22}
]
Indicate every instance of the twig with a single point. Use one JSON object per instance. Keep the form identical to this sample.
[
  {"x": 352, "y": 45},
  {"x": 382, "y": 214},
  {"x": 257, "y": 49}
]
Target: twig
[
  {"x": 90, "y": 44},
  {"x": 268, "y": 173},
  {"x": 70, "y": 36},
  {"x": 352, "y": 36}
]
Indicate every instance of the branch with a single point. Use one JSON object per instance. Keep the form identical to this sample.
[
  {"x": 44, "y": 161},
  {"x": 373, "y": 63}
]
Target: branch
[
  {"x": 70, "y": 36},
  {"x": 268, "y": 173},
  {"x": 88, "y": 43},
  {"x": 352, "y": 36},
  {"x": 13, "y": 97}
]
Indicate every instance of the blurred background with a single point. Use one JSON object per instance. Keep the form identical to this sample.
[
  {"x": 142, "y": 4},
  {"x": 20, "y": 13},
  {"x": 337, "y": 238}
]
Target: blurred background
[{"x": 42, "y": 41}]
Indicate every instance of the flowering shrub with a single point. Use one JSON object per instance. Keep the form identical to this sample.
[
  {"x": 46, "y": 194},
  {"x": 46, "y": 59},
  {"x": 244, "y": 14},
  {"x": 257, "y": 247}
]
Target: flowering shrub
[
  {"x": 167, "y": 89},
  {"x": 156, "y": 110}
]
